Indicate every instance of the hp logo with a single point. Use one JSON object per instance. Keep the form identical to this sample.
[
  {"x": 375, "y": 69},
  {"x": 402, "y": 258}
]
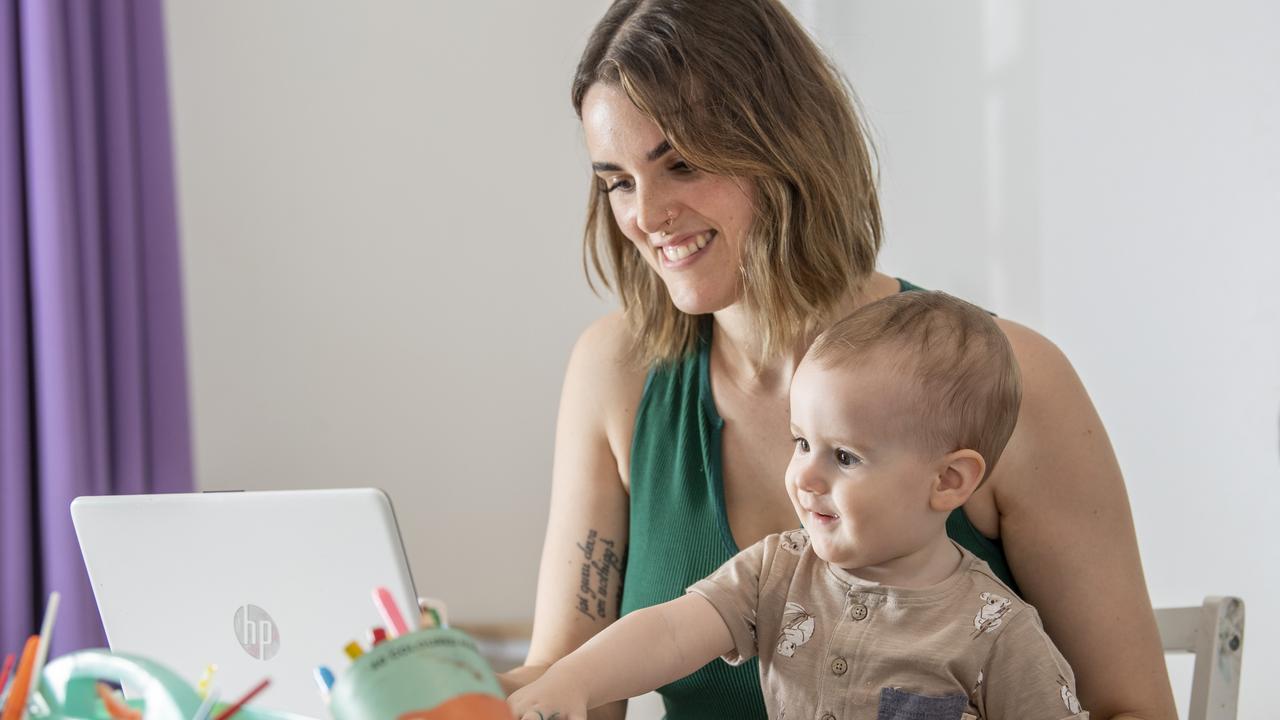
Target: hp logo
[{"x": 256, "y": 632}]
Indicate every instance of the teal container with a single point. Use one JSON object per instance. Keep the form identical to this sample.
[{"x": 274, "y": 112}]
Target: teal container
[
  {"x": 66, "y": 689},
  {"x": 434, "y": 674}
]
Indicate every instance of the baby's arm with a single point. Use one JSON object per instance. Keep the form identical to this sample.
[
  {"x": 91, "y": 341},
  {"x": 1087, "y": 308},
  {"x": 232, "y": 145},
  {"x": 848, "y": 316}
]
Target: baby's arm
[
  {"x": 1025, "y": 677},
  {"x": 640, "y": 652}
]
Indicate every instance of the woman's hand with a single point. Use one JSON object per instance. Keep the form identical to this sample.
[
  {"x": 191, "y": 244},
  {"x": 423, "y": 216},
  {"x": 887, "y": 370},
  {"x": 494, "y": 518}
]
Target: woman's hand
[
  {"x": 553, "y": 696},
  {"x": 516, "y": 678}
]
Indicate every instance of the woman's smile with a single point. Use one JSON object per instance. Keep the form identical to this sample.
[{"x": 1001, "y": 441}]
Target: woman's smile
[{"x": 684, "y": 249}]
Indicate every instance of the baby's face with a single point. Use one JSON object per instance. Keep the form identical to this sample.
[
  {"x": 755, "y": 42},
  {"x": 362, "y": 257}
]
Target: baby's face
[{"x": 860, "y": 478}]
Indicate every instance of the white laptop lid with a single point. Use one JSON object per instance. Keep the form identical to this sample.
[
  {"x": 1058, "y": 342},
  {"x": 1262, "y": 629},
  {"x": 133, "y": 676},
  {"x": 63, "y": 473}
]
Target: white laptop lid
[{"x": 193, "y": 579}]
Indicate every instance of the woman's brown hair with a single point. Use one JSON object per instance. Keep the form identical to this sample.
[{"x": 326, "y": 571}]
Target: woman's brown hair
[{"x": 739, "y": 89}]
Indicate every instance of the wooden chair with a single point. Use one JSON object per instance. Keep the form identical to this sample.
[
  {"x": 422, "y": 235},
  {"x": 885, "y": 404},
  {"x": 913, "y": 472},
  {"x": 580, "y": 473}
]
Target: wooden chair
[{"x": 1214, "y": 633}]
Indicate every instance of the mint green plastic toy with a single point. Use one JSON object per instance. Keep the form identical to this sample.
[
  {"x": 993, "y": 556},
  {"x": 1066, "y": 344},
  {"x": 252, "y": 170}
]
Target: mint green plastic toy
[
  {"x": 431, "y": 674},
  {"x": 67, "y": 689}
]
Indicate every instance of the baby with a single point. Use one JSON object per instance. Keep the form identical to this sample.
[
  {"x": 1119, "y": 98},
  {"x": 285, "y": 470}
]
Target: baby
[{"x": 898, "y": 412}]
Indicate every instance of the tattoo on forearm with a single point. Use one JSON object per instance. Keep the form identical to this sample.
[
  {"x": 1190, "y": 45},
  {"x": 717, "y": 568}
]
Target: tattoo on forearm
[{"x": 597, "y": 574}]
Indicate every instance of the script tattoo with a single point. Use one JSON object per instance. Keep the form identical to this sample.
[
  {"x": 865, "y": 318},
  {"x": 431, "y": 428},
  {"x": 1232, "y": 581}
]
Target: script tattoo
[{"x": 601, "y": 564}]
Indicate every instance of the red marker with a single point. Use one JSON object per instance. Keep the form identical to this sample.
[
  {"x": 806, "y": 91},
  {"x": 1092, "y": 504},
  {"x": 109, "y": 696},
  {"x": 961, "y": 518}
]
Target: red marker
[{"x": 377, "y": 636}]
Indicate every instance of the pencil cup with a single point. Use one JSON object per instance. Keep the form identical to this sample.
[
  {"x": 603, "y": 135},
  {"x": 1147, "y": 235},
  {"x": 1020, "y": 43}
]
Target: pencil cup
[
  {"x": 433, "y": 674},
  {"x": 66, "y": 689}
]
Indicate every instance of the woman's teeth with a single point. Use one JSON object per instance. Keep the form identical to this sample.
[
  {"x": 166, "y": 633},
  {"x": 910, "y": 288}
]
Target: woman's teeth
[{"x": 685, "y": 249}]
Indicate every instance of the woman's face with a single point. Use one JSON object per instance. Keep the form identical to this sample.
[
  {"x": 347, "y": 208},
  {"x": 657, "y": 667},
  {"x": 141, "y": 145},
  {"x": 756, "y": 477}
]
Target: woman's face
[{"x": 688, "y": 225}]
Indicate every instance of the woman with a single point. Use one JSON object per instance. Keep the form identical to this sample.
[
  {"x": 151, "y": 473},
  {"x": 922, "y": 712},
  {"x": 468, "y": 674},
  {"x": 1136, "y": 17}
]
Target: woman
[{"x": 734, "y": 212}]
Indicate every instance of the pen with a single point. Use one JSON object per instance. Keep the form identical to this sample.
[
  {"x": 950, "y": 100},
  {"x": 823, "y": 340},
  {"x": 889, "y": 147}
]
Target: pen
[
  {"x": 390, "y": 613},
  {"x": 377, "y": 636},
  {"x": 353, "y": 650}
]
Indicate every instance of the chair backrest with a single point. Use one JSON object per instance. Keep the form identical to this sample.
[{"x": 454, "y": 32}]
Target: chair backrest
[{"x": 1214, "y": 633}]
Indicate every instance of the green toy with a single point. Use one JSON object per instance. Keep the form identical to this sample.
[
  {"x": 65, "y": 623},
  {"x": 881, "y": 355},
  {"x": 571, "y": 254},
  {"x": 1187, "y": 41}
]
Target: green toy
[
  {"x": 67, "y": 690},
  {"x": 432, "y": 674}
]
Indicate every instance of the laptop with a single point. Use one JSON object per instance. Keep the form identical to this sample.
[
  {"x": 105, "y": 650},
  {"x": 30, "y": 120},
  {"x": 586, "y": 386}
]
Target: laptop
[{"x": 262, "y": 584}]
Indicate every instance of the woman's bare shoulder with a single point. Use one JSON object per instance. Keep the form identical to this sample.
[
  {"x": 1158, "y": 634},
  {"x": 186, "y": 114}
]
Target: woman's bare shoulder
[
  {"x": 606, "y": 335},
  {"x": 1048, "y": 377},
  {"x": 602, "y": 367},
  {"x": 1058, "y": 434},
  {"x": 603, "y": 350}
]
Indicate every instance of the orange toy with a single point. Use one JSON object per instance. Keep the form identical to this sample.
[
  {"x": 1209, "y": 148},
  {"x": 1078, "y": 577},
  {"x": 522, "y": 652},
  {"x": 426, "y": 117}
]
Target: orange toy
[{"x": 472, "y": 706}]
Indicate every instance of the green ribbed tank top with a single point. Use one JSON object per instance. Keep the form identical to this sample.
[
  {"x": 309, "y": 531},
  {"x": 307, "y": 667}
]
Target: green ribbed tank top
[{"x": 679, "y": 530}]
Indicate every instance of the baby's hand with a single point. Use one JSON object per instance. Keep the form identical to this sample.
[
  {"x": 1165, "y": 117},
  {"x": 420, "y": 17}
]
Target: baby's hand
[{"x": 550, "y": 697}]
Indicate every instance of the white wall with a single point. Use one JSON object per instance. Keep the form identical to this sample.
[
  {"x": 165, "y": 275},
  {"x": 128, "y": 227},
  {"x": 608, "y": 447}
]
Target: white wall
[
  {"x": 381, "y": 209},
  {"x": 381, "y": 206},
  {"x": 1109, "y": 173}
]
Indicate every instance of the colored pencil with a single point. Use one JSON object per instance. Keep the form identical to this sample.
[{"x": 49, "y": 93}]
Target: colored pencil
[
  {"x": 4, "y": 674},
  {"x": 16, "y": 704},
  {"x": 324, "y": 681},
  {"x": 206, "y": 707},
  {"x": 115, "y": 707},
  {"x": 42, "y": 648},
  {"x": 390, "y": 612},
  {"x": 433, "y": 611},
  {"x": 206, "y": 679},
  {"x": 235, "y": 707},
  {"x": 353, "y": 650}
]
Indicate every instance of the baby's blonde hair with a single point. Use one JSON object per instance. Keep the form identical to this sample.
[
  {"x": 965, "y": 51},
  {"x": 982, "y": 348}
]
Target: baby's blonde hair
[{"x": 953, "y": 359}]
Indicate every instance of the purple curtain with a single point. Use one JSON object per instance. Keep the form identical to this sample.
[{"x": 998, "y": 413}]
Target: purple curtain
[{"x": 93, "y": 396}]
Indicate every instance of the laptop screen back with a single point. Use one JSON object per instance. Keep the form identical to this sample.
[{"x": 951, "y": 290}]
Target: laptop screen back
[{"x": 262, "y": 584}]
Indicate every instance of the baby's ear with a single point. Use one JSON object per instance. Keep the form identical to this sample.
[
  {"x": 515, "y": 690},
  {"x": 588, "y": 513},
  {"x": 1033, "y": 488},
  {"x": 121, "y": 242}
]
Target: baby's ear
[{"x": 961, "y": 474}]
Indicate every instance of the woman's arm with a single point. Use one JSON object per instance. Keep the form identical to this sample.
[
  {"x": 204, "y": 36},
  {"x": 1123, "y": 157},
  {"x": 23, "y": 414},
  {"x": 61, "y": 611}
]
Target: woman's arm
[
  {"x": 639, "y": 653},
  {"x": 580, "y": 577},
  {"x": 1068, "y": 533}
]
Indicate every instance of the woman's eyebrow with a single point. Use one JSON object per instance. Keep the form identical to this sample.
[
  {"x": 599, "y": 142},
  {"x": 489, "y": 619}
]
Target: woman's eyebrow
[{"x": 662, "y": 149}]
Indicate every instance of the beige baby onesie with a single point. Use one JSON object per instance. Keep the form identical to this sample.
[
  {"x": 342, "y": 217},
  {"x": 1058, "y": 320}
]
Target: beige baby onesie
[{"x": 835, "y": 647}]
